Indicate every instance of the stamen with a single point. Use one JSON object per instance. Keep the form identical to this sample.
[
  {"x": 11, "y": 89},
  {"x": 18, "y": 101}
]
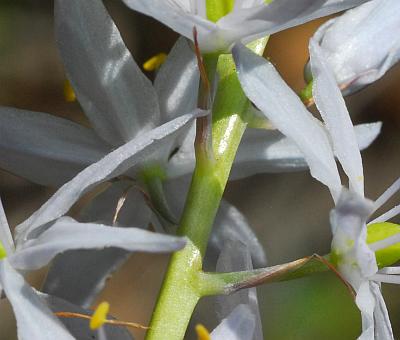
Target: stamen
[
  {"x": 155, "y": 62},
  {"x": 99, "y": 316},
  {"x": 69, "y": 94},
  {"x": 107, "y": 322},
  {"x": 202, "y": 332}
]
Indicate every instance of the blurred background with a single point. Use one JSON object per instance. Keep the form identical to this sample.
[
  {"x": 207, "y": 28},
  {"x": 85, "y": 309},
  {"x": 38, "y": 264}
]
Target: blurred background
[{"x": 289, "y": 212}]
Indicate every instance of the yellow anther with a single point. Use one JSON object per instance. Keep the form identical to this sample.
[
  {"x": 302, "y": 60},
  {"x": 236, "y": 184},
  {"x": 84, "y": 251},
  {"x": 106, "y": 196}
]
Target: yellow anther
[
  {"x": 3, "y": 252},
  {"x": 155, "y": 62},
  {"x": 69, "y": 94},
  {"x": 99, "y": 316},
  {"x": 202, "y": 332}
]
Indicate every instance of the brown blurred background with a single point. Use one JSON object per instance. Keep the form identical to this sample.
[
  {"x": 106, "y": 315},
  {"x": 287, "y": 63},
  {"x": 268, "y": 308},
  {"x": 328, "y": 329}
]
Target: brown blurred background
[{"x": 289, "y": 212}]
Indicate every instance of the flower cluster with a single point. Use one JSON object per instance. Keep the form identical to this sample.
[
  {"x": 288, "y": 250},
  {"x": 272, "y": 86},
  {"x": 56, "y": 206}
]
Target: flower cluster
[{"x": 143, "y": 145}]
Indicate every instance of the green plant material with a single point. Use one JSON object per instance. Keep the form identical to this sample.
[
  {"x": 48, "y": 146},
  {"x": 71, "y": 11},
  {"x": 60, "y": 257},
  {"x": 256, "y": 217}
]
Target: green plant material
[
  {"x": 3, "y": 252},
  {"x": 306, "y": 93},
  {"x": 379, "y": 231},
  {"x": 180, "y": 291},
  {"x": 153, "y": 178},
  {"x": 216, "y": 9}
]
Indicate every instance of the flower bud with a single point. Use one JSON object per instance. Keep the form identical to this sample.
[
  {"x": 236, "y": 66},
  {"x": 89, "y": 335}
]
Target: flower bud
[{"x": 362, "y": 44}]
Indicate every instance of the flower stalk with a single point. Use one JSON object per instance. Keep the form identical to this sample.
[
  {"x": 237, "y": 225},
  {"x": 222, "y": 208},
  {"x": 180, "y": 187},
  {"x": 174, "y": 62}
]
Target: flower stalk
[{"x": 229, "y": 120}]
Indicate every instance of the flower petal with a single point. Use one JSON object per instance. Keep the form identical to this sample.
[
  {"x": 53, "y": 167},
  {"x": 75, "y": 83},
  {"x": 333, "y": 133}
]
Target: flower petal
[
  {"x": 239, "y": 325},
  {"x": 46, "y": 149},
  {"x": 67, "y": 234},
  {"x": 117, "y": 97},
  {"x": 332, "y": 107},
  {"x": 366, "y": 303},
  {"x": 79, "y": 275},
  {"x": 178, "y": 15},
  {"x": 254, "y": 22},
  {"x": 147, "y": 148},
  {"x": 5, "y": 234},
  {"x": 177, "y": 81},
  {"x": 346, "y": 41},
  {"x": 235, "y": 256},
  {"x": 263, "y": 85},
  {"x": 383, "y": 327},
  {"x": 101, "y": 209},
  {"x": 78, "y": 327},
  {"x": 34, "y": 320},
  {"x": 348, "y": 223},
  {"x": 261, "y": 151},
  {"x": 231, "y": 224}
]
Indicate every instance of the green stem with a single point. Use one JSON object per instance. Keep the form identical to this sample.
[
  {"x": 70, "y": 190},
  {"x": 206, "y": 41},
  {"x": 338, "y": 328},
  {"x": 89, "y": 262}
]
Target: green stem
[{"x": 180, "y": 291}]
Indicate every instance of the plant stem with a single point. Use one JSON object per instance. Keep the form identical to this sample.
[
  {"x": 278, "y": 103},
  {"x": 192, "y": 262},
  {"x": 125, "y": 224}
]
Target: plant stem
[{"x": 180, "y": 291}]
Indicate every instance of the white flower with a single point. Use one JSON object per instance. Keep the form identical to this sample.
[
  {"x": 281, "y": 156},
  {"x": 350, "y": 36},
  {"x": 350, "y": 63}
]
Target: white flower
[
  {"x": 245, "y": 21},
  {"x": 34, "y": 320},
  {"x": 239, "y": 313},
  {"x": 362, "y": 44},
  {"x": 320, "y": 142}
]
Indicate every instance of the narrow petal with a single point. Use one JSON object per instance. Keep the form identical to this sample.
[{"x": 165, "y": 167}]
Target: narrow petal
[
  {"x": 258, "y": 21},
  {"x": 332, "y": 107},
  {"x": 263, "y": 85},
  {"x": 177, "y": 81},
  {"x": 78, "y": 327},
  {"x": 367, "y": 133},
  {"x": 383, "y": 327},
  {"x": 34, "y": 320},
  {"x": 239, "y": 325},
  {"x": 46, "y": 149},
  {"x": 266, "y": 151},
  {"x": 67, "y": 234},
  {"x": 348, "y": 223},
  {"x": 116, "y": 96},
  {"x": 365, "y": 301},
  {"x": 79, "y": 275},
  {"x": 387, "y": 242},
  {"x": 262, "y": 151},
  {"x": 181, "y": 16},
  {"x": 5, "y": 234},
  {"x": 389, "y": 192},
  {"x": 235, "y": 256},
  {"x": 231, "y": 224},
  {"x": 150, "y": 147},
  {"x": 395, "y": 279},
  {"x": 387, "y": 215},
  {"x": 102, "y": 209}
]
